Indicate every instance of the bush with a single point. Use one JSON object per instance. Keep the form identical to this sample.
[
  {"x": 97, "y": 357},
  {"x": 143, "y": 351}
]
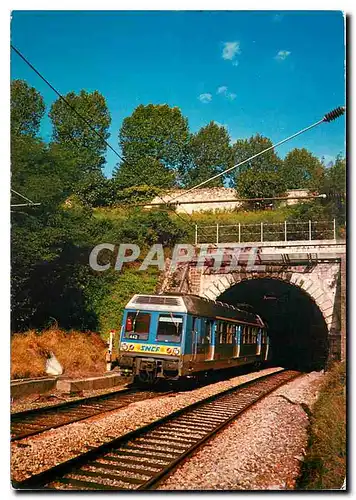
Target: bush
[
  {"x": 134, "y": 194},
  {"x": 324, "y": 467},
  {"x": 148, "y": 228}
]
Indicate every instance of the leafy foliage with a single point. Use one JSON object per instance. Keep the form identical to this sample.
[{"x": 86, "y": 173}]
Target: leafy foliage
[
  {"x": 334, "y": 186},
  {"x": 143, "y": 171},
  {"x": 135, "y": 194},
  {"x": 324, "y": 467},
  {"x": 148, "y": 228},
  {"x": 70, "y": 131},
  {"x": 27, "y": 108},
  {"x": 154, "y": 137},
  {"x": 245, "y": 148},
  {"x": 96, "y": 190},
  {"x": 301, "y": 169},
  {"x": 209, "y": 154},
  {"x": 259, "y": 184}
]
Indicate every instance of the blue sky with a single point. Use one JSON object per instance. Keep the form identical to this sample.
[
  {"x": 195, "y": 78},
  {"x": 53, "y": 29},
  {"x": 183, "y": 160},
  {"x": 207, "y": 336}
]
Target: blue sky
[{"x": 267, "y": 72}]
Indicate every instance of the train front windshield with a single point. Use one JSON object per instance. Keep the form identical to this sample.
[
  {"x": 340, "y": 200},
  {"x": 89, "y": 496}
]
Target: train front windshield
[
  {"x": 137, "y": 325},
  {"x": 169, "y": 328}
]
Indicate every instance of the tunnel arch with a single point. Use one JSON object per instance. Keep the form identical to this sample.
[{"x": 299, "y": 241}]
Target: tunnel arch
[
  {"x": 318, "y": 290},
  {"x": 298, "y": 328}
]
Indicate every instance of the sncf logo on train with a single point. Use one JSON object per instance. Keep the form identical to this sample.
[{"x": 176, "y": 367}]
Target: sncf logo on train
[{"x": 150, "y": 348}]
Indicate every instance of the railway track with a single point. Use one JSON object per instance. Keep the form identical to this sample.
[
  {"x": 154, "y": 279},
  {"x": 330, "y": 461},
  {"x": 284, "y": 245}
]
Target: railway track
[
  {"x": 30, "y": 422},
  {"x": 139, "y": 460}
]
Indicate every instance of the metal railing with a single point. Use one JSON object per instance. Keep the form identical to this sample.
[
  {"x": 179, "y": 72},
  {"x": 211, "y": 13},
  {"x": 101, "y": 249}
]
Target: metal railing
[{"x": 266, "y": 231}]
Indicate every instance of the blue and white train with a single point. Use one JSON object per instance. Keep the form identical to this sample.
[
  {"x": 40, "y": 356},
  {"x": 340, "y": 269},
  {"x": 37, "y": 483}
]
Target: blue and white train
[{"x": 173, "y": 336}]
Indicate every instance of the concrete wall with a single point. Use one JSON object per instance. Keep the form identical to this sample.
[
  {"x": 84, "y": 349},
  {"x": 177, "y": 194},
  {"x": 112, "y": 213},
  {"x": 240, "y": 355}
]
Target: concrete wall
[{"x": 202, "y": 195}]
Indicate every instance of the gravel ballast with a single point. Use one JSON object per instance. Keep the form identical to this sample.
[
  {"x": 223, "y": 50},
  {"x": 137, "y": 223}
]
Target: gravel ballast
[
  {"x": 262, "y": 450},
  {"x": 35, "y": 454}
]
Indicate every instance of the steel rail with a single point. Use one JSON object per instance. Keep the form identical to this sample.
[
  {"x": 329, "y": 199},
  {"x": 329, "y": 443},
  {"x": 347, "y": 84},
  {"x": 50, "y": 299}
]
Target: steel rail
[
  {"x": 140, "y": 459},
  {"x": 35, "y": 421}
]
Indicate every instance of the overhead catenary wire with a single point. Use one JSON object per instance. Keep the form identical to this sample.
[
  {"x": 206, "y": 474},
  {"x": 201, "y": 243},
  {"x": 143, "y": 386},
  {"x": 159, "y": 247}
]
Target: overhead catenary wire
[
  {"x": 29, "y": 202},
  {"x": 87, "y": 122}
]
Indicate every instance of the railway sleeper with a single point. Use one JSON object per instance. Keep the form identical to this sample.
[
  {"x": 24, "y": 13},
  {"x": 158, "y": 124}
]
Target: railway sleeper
[{"x": 127, "y": 468}]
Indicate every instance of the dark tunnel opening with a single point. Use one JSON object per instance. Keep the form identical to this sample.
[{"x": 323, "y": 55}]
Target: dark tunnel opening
[{"x": 297, "y": 329}]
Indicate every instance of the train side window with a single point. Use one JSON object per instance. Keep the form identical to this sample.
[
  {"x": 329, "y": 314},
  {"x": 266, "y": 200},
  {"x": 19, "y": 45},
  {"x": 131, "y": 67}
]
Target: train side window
[
  {"x": 230, "y": 332},
  {"x": 244, "y": 334},
  {"x": 225, "y": 333},
  {"x": 221, "y": 332},
  {"x": 254, "y": 335},
  {"x": 217, "y": 332},
  {"x": 208, "y": 327}
]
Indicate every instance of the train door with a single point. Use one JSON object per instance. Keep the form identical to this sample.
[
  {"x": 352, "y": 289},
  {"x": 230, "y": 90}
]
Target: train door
[
  {"x": 196, "y": 329},
  {"x": 204, "y": 346},
  {"x": 259, "y": 342},
  {"x": 237, "y": 346},
  {"x": 212, "y": 341},
  {"x": 266, "y": 341}
]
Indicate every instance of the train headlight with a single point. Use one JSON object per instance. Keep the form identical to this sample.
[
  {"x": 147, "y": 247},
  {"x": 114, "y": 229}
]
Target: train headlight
[{"x": 176, "y": 351}]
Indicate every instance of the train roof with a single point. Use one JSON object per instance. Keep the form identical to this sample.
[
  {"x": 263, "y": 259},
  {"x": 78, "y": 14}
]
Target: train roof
[{"x": 193, "y": 304}]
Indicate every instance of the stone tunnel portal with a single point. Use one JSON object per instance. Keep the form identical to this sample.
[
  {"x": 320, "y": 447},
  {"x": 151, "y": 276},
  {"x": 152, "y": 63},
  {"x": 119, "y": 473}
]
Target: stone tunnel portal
[{"x": 297, "y": 329}]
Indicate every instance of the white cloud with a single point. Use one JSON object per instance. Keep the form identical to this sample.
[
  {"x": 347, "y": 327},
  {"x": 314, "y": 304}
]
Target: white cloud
[
  {"x": 230, "y": 50},
  {"x": 282, "y": 55},
  {"x": 205, "y": 98},
  {"x": 222, "y": 90},
  {"x": 277, "y": 18}
]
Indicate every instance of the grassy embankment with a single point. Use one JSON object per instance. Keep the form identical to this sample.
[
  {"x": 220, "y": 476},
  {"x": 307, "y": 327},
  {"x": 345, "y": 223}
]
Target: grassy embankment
[
  {"x": 324, "y": 466},
  {"x": 117, "y": 215},
  {"x": 78, "y": 352}
]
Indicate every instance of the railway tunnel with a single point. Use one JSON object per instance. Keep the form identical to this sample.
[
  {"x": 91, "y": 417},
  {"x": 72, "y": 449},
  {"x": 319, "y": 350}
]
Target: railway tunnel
[{"x": 297, "y": 329}]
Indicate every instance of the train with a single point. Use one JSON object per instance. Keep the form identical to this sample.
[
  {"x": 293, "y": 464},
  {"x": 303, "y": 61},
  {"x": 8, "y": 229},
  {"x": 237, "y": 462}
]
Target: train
[{"x": 178, "y": 336}]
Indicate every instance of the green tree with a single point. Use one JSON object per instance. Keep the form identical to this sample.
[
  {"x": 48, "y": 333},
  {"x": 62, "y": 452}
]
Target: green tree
[
  {"x": 148, "y": 228},
  {"x": 245, "y": 148},
  {"x": 72, "y": 133},
  {"x": 260, "y": 177},
  {"x": 209, "y": 154},
  {"x": 334, "y": 186},
  {"x": 260, "y": 184},
  {"x": 301, "y": 169},
  {"x": 155, "y": 133},
  {"x": 335, "y": 176},
  {"x": 96, "y": 190},
  {"x": 27, "y": 108},
  {"x": 143, "y": 171}
]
